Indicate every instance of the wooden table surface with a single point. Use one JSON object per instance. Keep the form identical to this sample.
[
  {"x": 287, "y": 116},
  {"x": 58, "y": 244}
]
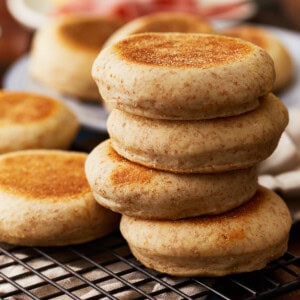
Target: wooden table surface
[{"x": 15, "y": 41}]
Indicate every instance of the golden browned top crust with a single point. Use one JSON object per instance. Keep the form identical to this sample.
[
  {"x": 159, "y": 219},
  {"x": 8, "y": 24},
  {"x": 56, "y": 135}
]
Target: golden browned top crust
[
  {"x": 166, "y": 22},
  {"x": 126, "y": 173},
  {"x": 182, "y": 50},
  {"x": 50, "y": 176},
  {"x": 88, "y": 33},
  {"x": 129, "y": 175},
  {"x": 23, "y": 108},
  {"x": 251, "y": 34}
]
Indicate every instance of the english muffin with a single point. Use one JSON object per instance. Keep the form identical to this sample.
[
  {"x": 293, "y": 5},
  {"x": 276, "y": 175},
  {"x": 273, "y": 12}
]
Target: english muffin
[
  {"x": 205, "y": 146},
  {"x": 45, "y": 200},
  {"x": 183, "y": 76},
  {"x": 134, "y": 190},
  {"x": 63, "y": 53},
  {"x": 162, "y": 22},
  {"x": 242, "y": 240},
  {"x": 284, "y": 67},
  {"x": 30, "y": 121}
]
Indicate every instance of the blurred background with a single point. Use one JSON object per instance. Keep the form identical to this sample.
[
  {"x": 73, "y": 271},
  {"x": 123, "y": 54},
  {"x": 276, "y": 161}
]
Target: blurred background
[{"x": 20, "y": 18}]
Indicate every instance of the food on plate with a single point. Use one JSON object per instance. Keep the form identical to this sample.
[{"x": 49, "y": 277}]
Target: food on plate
[
  {"x": 64, "y": 50},
  {"x": 183, "y": 76},
  {"x": 202, "y": 146},
  {"x": 134, "y": 190},
  {"x": 242, "y": 240},
  {"x": 45, "y": 200},
  {"x": 30, "y": 121},
  {"x": 162, "y": 22},
  {"x": 284, "y": 67}
]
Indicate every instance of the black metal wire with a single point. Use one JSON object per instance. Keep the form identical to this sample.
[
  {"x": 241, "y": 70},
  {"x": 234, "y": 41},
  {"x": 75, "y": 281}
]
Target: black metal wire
[
  {"x": 84, "y": 285},
  {"x": 238, "y": 283},
  {"x": 39, "y": 274},
  {"x": 211, "y": 289},
  {"x": 19, "y": 287},
  {"x": 271, "y": 281},
  {"x": 276, "y": 292},
  {"x": 66, "y": 268},
  {"x": 112, "y": 274},
  {"x": 101, "y": 254},
  {"x": 134, "y": 265},
  {"x": 58, "y": 278}
]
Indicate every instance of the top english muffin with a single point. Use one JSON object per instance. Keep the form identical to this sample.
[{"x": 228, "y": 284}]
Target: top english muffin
[{"x": 183, "y": 76}]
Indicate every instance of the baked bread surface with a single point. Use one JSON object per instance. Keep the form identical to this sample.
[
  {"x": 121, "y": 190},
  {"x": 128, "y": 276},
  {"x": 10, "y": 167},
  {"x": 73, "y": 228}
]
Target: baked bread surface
[
  {"x": 45, "y": 200},
  {"x": 206, "y": 146},
  {"x": 134, "y": 190},
  {"x": 32, "y": 121},
  {"x": 183, "y": 76},
  {"x": 242, "y": 240},
  {"x": 74, "y": 42}
]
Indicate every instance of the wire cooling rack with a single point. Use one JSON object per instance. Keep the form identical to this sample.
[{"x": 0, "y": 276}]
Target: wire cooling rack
[{"x": 105, "y": 269}]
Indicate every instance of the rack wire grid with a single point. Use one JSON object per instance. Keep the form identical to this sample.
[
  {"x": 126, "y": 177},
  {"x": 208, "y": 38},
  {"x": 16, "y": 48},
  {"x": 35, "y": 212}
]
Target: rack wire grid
[{"x": 106, "y": 269}]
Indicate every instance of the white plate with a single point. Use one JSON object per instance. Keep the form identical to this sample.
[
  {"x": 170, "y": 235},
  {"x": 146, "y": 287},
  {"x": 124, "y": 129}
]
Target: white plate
[{"x": 94, "y": 116}]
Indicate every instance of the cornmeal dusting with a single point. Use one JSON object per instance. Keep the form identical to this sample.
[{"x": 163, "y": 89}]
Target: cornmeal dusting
[
  {"x": 44, "y": 176},
  {"x": 21, "y": 108},
  {"x": 238, "y": 214},
  {"x": 90, "y": 33},
  {"x": 127, "y": 174},
  {"x": 182, "y": 50}
]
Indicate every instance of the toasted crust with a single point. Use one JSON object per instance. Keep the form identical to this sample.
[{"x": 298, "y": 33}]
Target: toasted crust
[
  {"x": 200, "y": 146},
  {"x": 45, "y": 200},
  {"x": 284, "y": 67},
  {"x": 238, "y": 241},
  {"x": 25, "y": 108},
  {"x": 24, "y": 175},
  {"x": 162, "y": 22},
  {"x": 75, "y": 42},
  {"x": 183, "y": 76},
  {"x": 133, "y": 190},
  {"x": 86, "y": 33},
  {"x": 182, "y": 53},
  {"x": 30, "y": 121}
]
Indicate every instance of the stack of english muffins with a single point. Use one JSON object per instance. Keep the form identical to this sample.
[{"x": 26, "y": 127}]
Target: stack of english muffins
[{"x": 193, "y": 116}]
